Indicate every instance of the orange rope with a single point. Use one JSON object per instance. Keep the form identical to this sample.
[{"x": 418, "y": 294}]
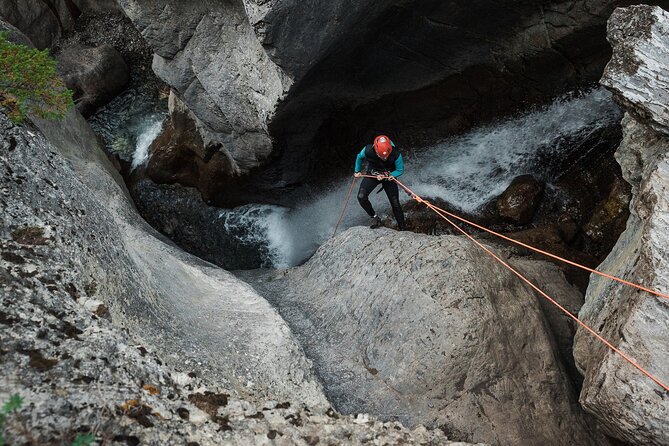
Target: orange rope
[
  {"x": 536, "y": 288},
  {"x": 556, "y": 257},
  {"x": 348, "y": 197}
]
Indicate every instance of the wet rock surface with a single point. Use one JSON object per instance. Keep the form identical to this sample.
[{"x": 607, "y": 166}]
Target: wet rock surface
[
  {"x": 520, "y": 200},
  {"x": 143, "y": 102},
  {"x": 631, "y": 406},
  {"x": 425, "y": 330},
  {"x": 213, "y": 234}
]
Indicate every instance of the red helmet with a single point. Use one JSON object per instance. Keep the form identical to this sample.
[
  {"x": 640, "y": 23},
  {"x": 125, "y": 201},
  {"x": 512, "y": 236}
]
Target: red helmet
[{"x": 383, "y": 146}]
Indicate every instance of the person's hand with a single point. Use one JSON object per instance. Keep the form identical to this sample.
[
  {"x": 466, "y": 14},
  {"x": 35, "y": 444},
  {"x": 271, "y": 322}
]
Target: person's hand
[
  {"x": 389, "y": 177},
  {"x": 380, "y": 177},
  {"x": 357, "y": 174}
]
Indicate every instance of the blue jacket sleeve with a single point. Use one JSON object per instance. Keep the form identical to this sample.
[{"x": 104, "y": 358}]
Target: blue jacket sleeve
[
  {"x": 359, "y": 160},
  {"x": 399, "y": 167}
]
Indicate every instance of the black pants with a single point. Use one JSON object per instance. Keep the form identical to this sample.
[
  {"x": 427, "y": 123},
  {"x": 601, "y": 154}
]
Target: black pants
[{"x": 392, "y": 191}]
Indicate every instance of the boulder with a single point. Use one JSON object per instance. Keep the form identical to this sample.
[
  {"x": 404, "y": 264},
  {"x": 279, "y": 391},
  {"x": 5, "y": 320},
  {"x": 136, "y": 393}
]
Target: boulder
[
  {"x": 45, "y": 21},
  {"x": 429, "y": 329},
  {"x": 178, "y": 155},
  {"x": 95, "y": 75},
  {"x": 630, "y": 405},
  {"x": 213, "y": 60},
  {"x": 520, "y": 200},
  {"x": 15, "y": 35},
  {"x": 34, "y": 18}
]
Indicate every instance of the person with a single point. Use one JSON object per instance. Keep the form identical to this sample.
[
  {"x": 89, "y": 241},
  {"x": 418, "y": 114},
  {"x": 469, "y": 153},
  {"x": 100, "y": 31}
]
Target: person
[{"x": 385, "y": 162}]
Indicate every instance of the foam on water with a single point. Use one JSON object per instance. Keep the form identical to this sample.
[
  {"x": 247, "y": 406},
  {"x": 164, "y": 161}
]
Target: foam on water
[
  {"x": 262, "y": 227},
  {"x": 148, "y": 132},
  {"x": 470, "y": 170}
]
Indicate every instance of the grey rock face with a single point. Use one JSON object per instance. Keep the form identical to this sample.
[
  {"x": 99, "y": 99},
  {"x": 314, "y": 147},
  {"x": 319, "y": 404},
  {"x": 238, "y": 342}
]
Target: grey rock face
[
  {"x": 639, "y": 36},
  {"x": 56, "y": 177},
  {"x": 215, "y": 63},
  {"x": 95, "y": 75},
  {"x": 77, "y": 372},
  {"x": 430, "y": 330},
  {"x": 97, "y": 5},
  {"x": 297, "y": 34},
  {"x": 630, "y": 405}
]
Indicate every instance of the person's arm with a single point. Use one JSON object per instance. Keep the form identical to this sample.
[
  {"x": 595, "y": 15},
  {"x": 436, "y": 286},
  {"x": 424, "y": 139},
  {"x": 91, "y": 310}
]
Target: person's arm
[
  {"x": 358, "y": 161},
  {"x": 399, "y": 167}
]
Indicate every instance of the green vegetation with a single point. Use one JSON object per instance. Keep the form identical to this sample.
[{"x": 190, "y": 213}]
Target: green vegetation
[
  {"x": 15, "y": 402},
  {"x": 84, "y": 440},
  {"x": 29, "y": 83}
]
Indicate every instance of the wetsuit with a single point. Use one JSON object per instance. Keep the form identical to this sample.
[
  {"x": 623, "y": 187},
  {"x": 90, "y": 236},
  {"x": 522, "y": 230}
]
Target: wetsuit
[{"x": 376, "y": 166}]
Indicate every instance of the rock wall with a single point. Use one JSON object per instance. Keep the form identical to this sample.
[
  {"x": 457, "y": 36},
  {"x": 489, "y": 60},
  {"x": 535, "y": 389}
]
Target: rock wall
[
  {"x": 428, "y": 329},
  {"x": 63, "y": 186},
  {"x": 631, "y": 406}
]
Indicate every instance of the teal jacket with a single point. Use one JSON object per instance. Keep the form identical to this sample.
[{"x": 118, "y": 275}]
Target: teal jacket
[{"x": 399, "y": 162}]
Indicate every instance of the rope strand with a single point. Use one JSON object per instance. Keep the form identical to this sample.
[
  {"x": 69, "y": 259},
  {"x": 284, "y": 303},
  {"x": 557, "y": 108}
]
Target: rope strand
[
  {"x": 548, "y": 254},
  {"x": 350, "y": 189}
]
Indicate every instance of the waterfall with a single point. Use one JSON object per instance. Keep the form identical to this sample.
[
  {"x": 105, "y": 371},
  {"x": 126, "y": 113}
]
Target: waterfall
[{"x": 467, "y": 171}]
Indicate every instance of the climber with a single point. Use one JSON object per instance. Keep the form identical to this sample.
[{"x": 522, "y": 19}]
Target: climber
[{"x": 385, "y": 163}]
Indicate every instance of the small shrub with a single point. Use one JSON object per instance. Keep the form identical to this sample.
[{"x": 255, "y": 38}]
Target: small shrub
[
  {"x": 15, "y": 402},
  {"x": 84, "y": 440},
  {"x": 29, "y": 83}
]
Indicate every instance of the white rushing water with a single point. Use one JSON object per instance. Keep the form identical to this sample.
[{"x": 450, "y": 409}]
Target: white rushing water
[
  {"x": 467, "y": 171},
  {"x": 148, "y": 131},
  {"x": 261, "y": 227}
]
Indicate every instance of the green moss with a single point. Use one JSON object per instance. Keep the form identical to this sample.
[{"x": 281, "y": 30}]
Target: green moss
[{"x": 29, "y": 83}]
